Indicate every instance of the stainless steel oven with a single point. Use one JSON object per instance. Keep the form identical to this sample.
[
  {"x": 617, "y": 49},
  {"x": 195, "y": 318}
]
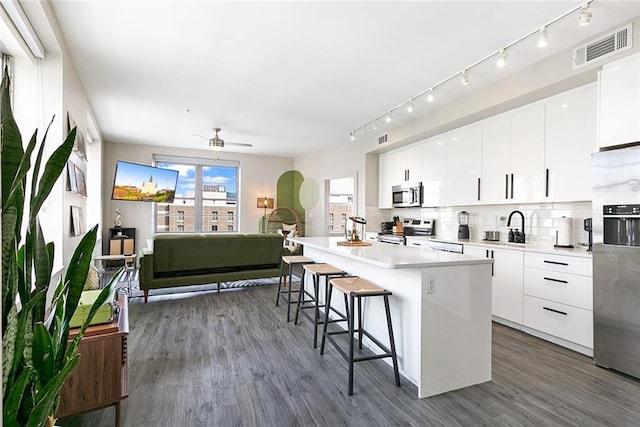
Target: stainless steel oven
[
  {"x": 406, "y": 195},
  {"x": 621, "y": 225}
]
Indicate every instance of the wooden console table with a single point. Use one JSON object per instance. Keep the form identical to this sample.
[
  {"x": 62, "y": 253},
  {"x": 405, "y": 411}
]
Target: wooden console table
[{"x": 101, "y": 377}]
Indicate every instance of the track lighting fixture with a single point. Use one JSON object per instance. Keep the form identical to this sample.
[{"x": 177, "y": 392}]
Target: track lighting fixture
[
  {"x": 410, "y": 107},
  {"x": 352, "y": 136},
  {"x": 362, "y": 131},
  {"x": 585, "y": 15},
  {"x": 542, "y": 34},
  {"x": 431, "y": 96},
  {"x": 464, "y": 78},
  {"x": 543, "y": 37},
  {"x": 502, "y": 58}
]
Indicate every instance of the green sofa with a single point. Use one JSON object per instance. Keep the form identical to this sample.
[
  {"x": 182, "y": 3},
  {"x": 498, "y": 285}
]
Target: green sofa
[{"x": 195, "y": 259}]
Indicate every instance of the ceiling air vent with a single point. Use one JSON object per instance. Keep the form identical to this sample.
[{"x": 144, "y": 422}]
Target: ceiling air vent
[
  {"x": 602, "y": 47},
  {"x": 383, "y": 138}
]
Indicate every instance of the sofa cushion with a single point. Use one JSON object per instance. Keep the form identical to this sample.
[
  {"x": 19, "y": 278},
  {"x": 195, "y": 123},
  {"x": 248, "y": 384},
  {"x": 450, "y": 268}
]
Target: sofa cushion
[{"x": 187, "y": 254}]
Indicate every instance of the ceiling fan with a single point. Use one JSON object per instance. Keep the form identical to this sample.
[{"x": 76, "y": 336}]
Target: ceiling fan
[{"x": 216, "y": 143}]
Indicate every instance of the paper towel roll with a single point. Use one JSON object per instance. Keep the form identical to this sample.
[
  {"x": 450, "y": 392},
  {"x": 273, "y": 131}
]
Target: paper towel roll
[{"x": 563, "y": 234}]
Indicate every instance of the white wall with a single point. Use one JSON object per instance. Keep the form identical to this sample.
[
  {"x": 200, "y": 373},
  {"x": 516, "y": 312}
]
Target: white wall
[{"x": 258, "y": 177}]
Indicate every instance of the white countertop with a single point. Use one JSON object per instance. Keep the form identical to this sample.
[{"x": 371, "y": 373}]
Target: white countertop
[
  {"x": 578, "y": 251},
  {"x": 390, "y": 256}
]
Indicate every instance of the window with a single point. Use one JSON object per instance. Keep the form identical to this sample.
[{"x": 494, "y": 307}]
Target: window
[
  {"x": 207, "y": 190},
  {"x": 343, "y": 216},
  {"x": 331, "y": 218}
]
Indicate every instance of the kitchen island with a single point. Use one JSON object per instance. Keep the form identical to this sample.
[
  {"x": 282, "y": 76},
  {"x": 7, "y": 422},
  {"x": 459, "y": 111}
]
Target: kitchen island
[{"x": 440, "y": 308}]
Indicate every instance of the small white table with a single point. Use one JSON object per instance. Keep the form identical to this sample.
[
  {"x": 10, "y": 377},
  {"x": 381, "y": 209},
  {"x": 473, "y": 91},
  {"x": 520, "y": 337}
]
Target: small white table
[{"x": 129, "y": 264}]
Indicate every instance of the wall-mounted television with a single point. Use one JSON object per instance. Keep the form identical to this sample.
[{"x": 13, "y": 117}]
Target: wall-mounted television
[{"x": 142, "y": 183}]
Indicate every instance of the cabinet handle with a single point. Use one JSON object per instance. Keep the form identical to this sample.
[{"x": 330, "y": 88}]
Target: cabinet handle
[
  {"x": 416, "y": 244},
  {"x": 546, "y": 183},
  {"x": 492, "y": 264},
  {"x": 478, "y": 189},
  {"x": 124, "y": 349},
  {"x": 512, "y": 186},
  {"x": 555, "y": 280},
  {"x": 555, "y": 262},
  {"x": 506, "y": 186},
  {"x": 555, "y": 311}
]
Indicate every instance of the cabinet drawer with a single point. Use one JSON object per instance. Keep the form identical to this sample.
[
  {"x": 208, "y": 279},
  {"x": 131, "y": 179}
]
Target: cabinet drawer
[
  {"x": 571, "y": 289},
  {"x": 563, "y": 264},
  {"x": 563, "y": 321},
  {"x": 418, "y": 242}
]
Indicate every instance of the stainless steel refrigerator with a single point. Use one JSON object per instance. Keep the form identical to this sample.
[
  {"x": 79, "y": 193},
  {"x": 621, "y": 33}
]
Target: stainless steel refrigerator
[{"x": 616, "y": 259}]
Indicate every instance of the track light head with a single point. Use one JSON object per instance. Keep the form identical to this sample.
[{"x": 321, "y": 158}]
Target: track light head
[
  {"x": 363, "y": 131},
  {"x": 388, "y": 117},
  {"x": 375, "y": 124},
  {"x": 585, "y": 15},
  {"x": 464, "y": 78},
  {"x": 410, "y": 107},
  {"x": 502, "y": 58},
  {"x": 431, "y": 96},
  {"x": 543, "y": 37},
  {"x": 352, "y": 136}
]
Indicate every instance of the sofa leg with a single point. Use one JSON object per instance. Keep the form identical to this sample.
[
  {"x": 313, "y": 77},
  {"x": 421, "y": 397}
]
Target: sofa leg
[{"x": 146, "y": 295}]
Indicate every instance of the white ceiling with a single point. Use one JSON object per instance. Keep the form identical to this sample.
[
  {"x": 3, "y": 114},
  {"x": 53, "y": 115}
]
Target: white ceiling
[{"x": 292, "y": 77}]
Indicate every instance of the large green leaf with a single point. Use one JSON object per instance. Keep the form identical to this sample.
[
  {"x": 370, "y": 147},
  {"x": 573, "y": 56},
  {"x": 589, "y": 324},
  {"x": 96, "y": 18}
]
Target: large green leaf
[
  {"x": 77, "y": 271},
  {"x": 8, "y": 346},
  {"x": 52, "y": 171},
  {"x": 41, "y": 265},
  {"x": 10, "y": 139},
  {"x": 11, "y": 403},
  {"x": 43, "y": 353},
  {"x": 45, "y": 399},
  {"x": 9, "y": 220}
]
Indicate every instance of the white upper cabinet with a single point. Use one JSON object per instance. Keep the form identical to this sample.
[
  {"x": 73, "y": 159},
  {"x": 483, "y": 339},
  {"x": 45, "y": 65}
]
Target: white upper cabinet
[
  {"x": 619, "y": 102},
  {"x": 496, "y": 160},
  {"x": 407, "y": 164},
  {"x": 527, "y": 154},
  {"x": 513, "y": 156},
  {"x": 570, "y": 140},
  {"x": 385, "y": 166},
  {"x": 463, "y": 165},
  {"x": 434, "y": 156}
]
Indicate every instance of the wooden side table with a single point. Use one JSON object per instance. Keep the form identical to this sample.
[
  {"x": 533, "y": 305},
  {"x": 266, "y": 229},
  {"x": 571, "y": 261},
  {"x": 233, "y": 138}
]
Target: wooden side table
[{"x": 101, "y": 377}]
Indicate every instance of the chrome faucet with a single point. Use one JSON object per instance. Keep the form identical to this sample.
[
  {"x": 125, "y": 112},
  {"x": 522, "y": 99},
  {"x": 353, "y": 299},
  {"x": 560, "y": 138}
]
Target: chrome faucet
[{"x": 518, "y": 237}]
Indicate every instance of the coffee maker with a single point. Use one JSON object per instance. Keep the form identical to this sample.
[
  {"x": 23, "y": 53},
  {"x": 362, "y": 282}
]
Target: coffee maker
[
  {"x": 588, "y": 227},
  {"x": 463, "y": 225}
]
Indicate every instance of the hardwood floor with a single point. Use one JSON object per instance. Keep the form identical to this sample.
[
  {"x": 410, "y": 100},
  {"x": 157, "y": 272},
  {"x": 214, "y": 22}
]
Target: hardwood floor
[{"x": 231, "y": 359}]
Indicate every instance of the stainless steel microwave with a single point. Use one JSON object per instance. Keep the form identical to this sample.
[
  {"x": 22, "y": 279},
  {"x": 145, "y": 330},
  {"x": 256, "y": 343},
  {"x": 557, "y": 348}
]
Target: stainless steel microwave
[{"x": 407, "y": 195}]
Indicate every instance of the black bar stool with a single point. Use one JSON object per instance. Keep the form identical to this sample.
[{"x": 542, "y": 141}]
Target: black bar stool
[
  {"x": 306, "y": 300},
  {"x": 358, "y": 288},
  {"x": 291, "y": 261}
]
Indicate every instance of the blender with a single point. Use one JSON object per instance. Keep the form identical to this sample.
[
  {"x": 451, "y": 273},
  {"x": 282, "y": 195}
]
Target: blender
[{"x": 463, "y": 227}]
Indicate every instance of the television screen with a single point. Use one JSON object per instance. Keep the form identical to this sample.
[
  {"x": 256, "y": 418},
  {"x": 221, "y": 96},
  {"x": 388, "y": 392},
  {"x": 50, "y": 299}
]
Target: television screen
[{"x": 142, "y": 183}]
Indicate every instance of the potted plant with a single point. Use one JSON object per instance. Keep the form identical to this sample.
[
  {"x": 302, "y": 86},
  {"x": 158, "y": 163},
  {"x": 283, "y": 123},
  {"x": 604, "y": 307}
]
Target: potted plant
[{"x": 36, "y": 355}]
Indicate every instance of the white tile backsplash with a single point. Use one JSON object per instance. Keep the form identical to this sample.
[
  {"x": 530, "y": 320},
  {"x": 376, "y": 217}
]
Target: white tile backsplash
[{"x": 541, "y": 220}]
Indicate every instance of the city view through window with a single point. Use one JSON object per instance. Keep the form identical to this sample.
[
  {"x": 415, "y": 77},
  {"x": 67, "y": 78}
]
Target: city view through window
[{"x": 206, "y": 200}]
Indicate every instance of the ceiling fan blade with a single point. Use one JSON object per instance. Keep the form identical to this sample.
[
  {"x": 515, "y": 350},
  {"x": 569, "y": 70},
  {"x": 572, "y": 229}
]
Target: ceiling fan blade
[
  {"x": 240, "y": 144},
  {"x": 203, "y": 137}
]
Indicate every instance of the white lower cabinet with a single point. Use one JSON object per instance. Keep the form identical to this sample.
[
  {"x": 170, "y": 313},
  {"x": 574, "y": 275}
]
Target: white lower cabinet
[
  {"x": 548, "y": 293},
  {"x": 560, "y": 320},
  {"x": 370, "y": 236},
  {"x": 507, "y": 284},
  {"x": 558, "y": 297},
  {"x": 417, "y": 242}
]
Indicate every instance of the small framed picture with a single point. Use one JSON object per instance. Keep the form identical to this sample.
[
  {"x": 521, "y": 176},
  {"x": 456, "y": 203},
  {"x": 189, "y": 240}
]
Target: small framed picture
[
  {"x": 78, "y": 143},
  {"x": 80, "y": 181},
  {"x": 72, "y": 183},
  {"x": 75, "y": 226}
]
